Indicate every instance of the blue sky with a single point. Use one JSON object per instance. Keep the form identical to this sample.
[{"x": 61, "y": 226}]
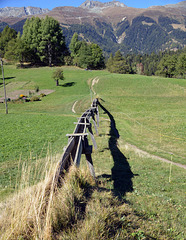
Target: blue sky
[{"x": 58, "y": 3}]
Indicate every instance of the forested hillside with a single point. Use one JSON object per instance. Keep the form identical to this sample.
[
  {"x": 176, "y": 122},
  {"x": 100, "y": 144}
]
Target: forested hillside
[{"x": 116, "y": 27}]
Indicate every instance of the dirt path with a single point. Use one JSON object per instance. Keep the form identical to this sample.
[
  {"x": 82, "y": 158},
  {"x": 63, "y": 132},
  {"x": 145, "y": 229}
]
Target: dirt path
[
  {"x": 73, "y": 107},
  {"x": 94, "y": 81},
  {"x": 143, "y": 153}
]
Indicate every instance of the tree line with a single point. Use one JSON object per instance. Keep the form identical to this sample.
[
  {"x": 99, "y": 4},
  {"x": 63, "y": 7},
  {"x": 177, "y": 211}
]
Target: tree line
[
  {"x": 43, "y": 43},
  {"x": 167, "y": 64}
]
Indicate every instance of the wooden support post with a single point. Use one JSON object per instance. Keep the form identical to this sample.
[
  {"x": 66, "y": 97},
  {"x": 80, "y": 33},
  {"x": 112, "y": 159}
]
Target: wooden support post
[
  {"x": 97, "y": 117},
  {"x": 90, "y": 165},
  {"x": 6, "y": 105},
  {"x": 92, "y": 136},
  {"x": 95, "y": 124}
]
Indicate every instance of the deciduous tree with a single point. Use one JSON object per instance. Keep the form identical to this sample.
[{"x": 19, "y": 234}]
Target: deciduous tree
[{"x": 58, "y": 75}]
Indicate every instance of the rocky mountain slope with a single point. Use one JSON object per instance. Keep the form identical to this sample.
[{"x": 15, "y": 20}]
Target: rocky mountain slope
[
  {"x": 21, "y": 11},
  {"x": 115, "y": 26}
]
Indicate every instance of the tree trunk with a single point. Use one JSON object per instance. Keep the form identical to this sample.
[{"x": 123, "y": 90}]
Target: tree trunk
[
  {"x": 50, "y": 54},
  {"x": 57, "y": 82}
]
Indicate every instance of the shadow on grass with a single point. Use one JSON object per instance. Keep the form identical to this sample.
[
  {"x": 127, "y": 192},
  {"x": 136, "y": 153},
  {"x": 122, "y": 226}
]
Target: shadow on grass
[
  {"x": 69, "y": 84},
  {"x": 121, "y": 171},
  {"x": 6, "y": 78}
]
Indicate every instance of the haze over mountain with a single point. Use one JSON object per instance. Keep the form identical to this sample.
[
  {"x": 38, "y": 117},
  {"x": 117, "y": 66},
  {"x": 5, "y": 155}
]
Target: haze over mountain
[{"x": 113, "y": 25}]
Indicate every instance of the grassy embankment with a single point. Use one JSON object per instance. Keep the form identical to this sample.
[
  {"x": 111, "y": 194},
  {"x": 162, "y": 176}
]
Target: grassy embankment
[{"x": 148, "y": 112}]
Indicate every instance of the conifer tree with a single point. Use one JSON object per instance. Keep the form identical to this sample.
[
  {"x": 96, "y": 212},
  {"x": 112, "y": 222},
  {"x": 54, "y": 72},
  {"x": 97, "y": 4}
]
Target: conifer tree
[
  {"x": 110, "y": 63},
  {"x": 75, "y": 45},
  {"x": 97, "y": 56},
  {"x": 181, "y": 65},
  {"x": 52, "y": 47},
  {"x": 32, "y": 34},
  {"x": 15, "y": 49},
  {"x": 45, "y": 38},
  {"x": 119, "y": 64},
  {"x": 7, "y": 35}
]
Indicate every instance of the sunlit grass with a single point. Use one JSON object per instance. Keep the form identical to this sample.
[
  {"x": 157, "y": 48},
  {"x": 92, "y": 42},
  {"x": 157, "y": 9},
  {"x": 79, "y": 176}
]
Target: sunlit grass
[{"x": 136, "y": 197}]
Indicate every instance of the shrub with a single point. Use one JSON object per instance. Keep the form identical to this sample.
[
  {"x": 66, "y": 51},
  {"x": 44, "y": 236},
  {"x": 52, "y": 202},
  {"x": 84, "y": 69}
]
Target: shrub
[
  {"x": 36, "y": 88},
  {"x": 34, "y": 98},
  {"x": 42, "y": 95}
]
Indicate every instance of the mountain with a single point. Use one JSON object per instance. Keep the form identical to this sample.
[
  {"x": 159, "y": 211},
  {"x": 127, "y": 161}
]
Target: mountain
[
  {"x": 21, "y": 11},
  {"x": 97, "y": 6},
  {"x": 114, "y": 26},
  {"x": 178, "y": 5}
]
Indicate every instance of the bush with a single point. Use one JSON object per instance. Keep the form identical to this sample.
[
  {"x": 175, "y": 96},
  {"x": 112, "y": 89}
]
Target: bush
[
  {"x": 42, "y": 95},
  {"x": 36, "y": 88},
  {"x": 34, "y": 98}
]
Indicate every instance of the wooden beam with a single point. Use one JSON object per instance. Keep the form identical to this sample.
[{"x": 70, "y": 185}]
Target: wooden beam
[
  {"x": 87, "y": 124},
  {"x": 77, "y": 134}
]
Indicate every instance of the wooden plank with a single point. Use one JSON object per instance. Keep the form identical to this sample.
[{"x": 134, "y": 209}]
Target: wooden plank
[
  {"x": 78, "y": 153},
  {"x": 64, "y": 159},
  {"x": 77, "y": 134},
  {"x": 87, "y": 124}
]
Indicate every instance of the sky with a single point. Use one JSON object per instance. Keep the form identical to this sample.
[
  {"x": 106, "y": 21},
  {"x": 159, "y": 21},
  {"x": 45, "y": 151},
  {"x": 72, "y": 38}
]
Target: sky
[{"x": 50, "y": 4}]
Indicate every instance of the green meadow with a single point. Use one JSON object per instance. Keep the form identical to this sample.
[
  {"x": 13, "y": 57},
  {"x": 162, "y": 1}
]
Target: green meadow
[{"x": 149, "y": 115}]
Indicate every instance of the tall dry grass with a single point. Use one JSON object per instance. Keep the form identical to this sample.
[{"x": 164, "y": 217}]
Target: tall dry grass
[
  {"x": 42, "y": 211},
  {"x": 77, "y": 209}
]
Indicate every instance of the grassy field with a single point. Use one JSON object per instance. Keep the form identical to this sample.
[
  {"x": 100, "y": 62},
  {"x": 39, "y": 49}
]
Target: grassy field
[{"x": 149, "y": 113}]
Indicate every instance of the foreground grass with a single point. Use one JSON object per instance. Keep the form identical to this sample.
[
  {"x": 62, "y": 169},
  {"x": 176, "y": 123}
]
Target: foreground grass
[{"x": 81, "y": 209}]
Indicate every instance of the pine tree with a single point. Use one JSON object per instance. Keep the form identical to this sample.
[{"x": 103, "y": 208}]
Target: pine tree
[
  {"x": 15, "y": 49},
  {"x": 7, "y": 35},
  {"x": 110, "y": 63},
  {"x": 119, "y": 64},
  {"x": 181, "y": 65},
  {"x": 75, "y": 45},
  {"x": 52, "y": 47},
  {"x": 97, "y": 56},
  {"x": 45, "y": 39},
  {"x": 31, "y": 33},
  {"x": 167, "y": 66},
  {"x": 86, "y": 55},
  {"x": 85, "y": 59}
]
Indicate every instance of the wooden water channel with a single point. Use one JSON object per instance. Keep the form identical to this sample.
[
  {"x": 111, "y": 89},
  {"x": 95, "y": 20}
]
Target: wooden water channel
[{"x": 78, "y": 142}]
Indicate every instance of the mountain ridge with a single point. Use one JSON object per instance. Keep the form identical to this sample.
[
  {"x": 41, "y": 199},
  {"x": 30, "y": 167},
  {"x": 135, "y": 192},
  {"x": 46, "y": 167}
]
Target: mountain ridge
[
  {"x": 21, "y": 11},
  {"x": 114, "y": 26}
]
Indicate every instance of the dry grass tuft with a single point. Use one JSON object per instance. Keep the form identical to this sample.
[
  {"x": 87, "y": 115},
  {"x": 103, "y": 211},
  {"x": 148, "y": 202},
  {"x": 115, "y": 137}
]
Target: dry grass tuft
[{"x": 41, "y": 211}]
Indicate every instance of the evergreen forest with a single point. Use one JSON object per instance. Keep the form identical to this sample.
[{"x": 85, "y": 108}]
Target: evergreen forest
[{"x": 42, "y": 42}]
